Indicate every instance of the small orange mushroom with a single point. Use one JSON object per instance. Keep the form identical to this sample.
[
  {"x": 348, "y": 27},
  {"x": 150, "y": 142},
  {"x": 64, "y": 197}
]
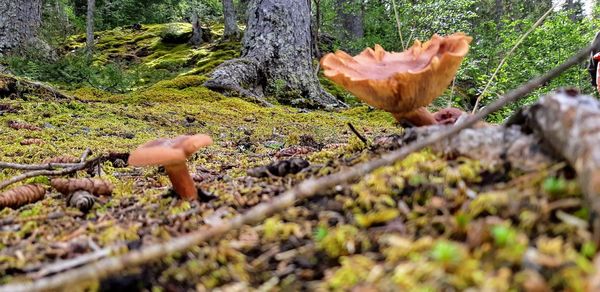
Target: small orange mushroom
[
  {"x": 447, "y": 116},
  {"x": 172, "y": 154},
  {"x": 400, "y": 83}
]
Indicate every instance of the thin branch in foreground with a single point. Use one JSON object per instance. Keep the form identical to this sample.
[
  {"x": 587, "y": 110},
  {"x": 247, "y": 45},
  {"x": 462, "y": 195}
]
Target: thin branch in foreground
[
  {"x": 46, "y": 166},
  {"x": 306, "y": 189},
  {"x": 51, "y": 216}
]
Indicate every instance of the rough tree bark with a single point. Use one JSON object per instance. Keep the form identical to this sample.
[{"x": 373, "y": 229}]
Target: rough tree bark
[
  {"x": 89, "y": 40},
  {"x": 276, "y": 57},
  {"x": 231, "y": 31},
  {"x": 196, "y": 30},
  {"x": 569, "y": 124},
  {"x": 19, "y": 22}
]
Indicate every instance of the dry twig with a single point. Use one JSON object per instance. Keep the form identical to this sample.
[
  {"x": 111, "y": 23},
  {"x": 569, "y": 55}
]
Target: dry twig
[
  {"x": 361, "y": 137},
  {"x": 306, "y": 189},
  {"x": 83, "y": 164},
  {"x": 51, "y": 216}
]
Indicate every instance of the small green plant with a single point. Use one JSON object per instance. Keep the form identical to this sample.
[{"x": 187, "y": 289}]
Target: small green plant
[
  {"x": 504, "y": 235},
  {"x": 554, "y": 185},
  {"x": 446, "y": 253}
]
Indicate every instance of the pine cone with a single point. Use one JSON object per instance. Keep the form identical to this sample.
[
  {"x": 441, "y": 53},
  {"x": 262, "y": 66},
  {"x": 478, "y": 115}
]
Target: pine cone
[
  {"x": 96, "y": 186},
  {"x": 32, "y": 141},
  {"x": 20, "y": 125},
  {"x": 61, "y": 159},
  {"x": 82, "y": 200},
  {"x": 22, "y": 195}
]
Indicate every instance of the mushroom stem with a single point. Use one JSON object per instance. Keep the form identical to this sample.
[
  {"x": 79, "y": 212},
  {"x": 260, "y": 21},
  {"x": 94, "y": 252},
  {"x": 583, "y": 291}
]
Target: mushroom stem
[
  {"x": 182, "y": 181},
  {"x": 418, "y": 117}
]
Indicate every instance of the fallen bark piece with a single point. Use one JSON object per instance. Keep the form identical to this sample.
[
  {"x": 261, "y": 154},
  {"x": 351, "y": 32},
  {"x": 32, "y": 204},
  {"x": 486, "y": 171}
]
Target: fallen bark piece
[
  {"x": 22, "y": 195},
  {"x": 570, "y": 124},
  {"x": 99, "y": 187}
]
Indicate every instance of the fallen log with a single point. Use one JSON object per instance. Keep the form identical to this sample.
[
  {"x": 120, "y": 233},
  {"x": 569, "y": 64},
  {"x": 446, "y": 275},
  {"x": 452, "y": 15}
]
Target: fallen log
[
  {"x": 495, "y": 146},
  {"x": 570, "y": 124},
  {"x": 11, "y": 86}
]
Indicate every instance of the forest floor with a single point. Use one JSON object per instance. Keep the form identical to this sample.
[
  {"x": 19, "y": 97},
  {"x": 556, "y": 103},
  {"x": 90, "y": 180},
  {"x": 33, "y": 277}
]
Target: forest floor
[{"x": 427, "y": 223}]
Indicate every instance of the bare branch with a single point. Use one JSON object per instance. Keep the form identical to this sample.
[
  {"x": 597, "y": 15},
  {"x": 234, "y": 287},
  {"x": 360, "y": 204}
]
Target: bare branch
[{"x": 48, "y": 172}]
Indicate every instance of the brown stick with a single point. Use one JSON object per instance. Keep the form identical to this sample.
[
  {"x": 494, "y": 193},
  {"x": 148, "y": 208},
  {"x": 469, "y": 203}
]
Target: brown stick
[
  {"x": 46, "y": 166},
  {"x": 307, "y": 188},
  {"x": 355, "y": 131},
  {"x": 76, "y": 167}
]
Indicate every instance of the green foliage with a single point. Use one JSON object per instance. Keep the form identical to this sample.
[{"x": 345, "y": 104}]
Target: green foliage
[{"x": 76, "y": 70}]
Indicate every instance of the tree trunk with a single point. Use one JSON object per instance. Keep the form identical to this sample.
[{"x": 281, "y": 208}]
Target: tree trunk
[
  {"x": 498, "y": 11},
  {"x": 316, "y": 29},
  {"x": 350, "y": 19},
  {"x": 89, "y": 40},
  {"x": 276, "y": 57},
  {"x": 196, "y": 30},
  {"x": 231, "y": 31},
  {"x": 19, "y": 22}
]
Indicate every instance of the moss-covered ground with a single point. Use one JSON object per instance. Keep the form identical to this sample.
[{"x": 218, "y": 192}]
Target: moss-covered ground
[{"x": 427, "y": 223}]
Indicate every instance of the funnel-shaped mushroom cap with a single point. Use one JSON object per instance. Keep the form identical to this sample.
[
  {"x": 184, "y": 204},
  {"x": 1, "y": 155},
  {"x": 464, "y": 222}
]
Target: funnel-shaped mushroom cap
[
  {"x": 596, "y": 57},
  {"x": 168, "y": 151},
  {"x": 399, "y": 82}
]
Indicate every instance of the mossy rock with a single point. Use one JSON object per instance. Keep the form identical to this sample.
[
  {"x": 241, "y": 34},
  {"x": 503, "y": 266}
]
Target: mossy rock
[{"x": 176, "y": 33}]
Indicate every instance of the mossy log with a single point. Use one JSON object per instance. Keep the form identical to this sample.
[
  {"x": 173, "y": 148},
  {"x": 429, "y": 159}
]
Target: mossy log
[
  {"x": 570, "y": 124},
  {"x": 12, "y": 87},
  {"x": 496, "y": 146}
]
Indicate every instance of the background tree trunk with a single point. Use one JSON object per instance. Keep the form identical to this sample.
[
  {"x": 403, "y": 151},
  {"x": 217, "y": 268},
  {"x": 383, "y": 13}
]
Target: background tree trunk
[
  {"x": 316, "y": 28},
  {"x": 196, "y": 30},
  {"x": 498, "y": 11},
  {"x": 276, "y": 57},
  {"x": 19, "y": 22},
  {"x": 351, "y": 19},
  {"x": 231, "y": 31},
  {"x": 89, "y": 40}
]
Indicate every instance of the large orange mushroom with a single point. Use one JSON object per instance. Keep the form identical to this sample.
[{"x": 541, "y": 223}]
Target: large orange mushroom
[{"x": 400, "y": 83}]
